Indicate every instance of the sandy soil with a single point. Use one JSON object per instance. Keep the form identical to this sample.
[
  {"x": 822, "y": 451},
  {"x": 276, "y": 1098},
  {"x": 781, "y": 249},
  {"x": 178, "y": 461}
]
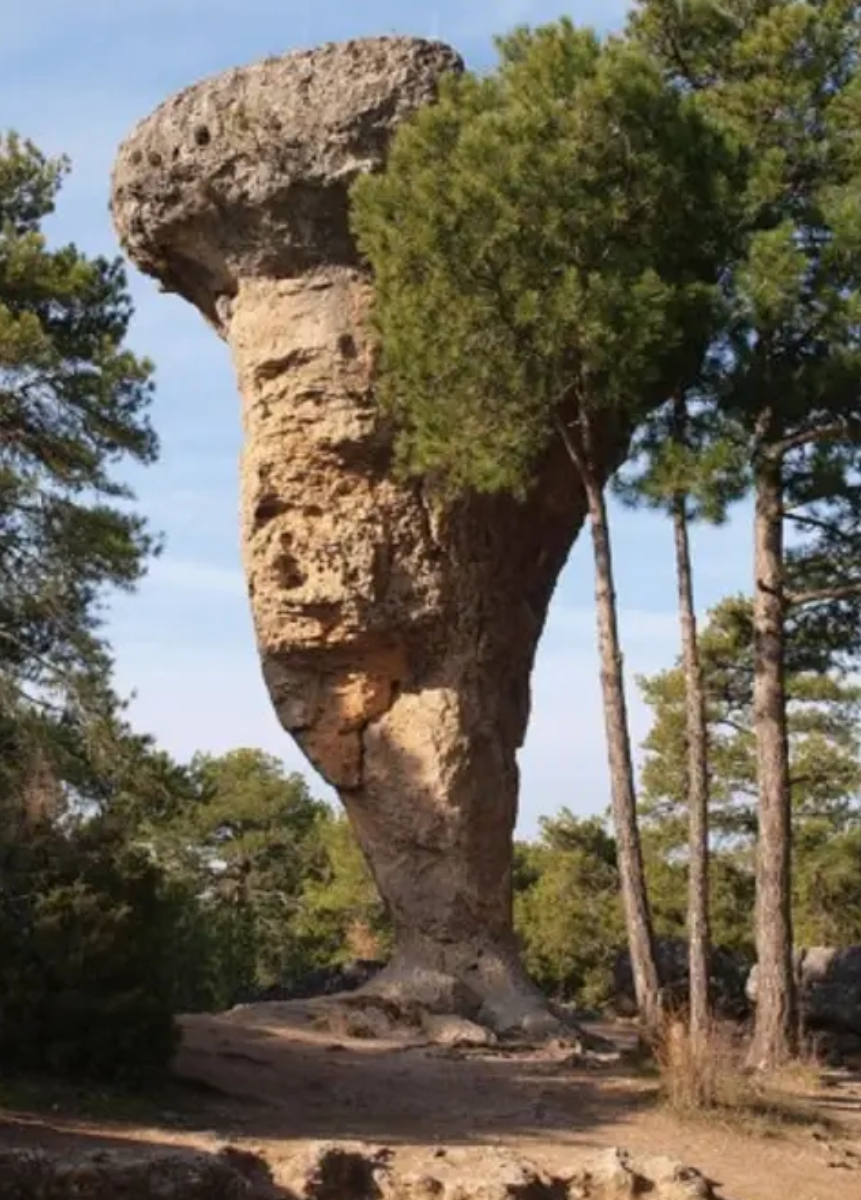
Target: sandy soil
[{"x": 268, "y": 1079}]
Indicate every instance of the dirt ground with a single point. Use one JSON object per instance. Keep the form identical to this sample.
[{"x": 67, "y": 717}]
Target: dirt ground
[{"x": 268, "y": 1079}]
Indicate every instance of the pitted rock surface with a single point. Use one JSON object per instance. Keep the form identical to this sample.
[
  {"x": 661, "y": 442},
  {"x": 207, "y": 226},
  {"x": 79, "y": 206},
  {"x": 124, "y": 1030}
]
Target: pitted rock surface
[
  {"x": 34, "y": 1175},
  {"x": 396, "y": 634},
  {"x": 246, "y": 174},
  {"x": 332, "y": 1171}
]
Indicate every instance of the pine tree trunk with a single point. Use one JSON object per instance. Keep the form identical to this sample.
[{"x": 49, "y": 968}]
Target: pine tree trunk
[
  {"x": 699, "y": 939},
  {"x": 624, "y": 796},
  {"x": 775, "y": 1031}
]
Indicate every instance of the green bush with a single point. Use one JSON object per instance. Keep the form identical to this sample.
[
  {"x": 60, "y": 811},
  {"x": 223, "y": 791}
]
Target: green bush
[
  {"x": 87, "y": 956},
  {"x": 568, "y": 911}
]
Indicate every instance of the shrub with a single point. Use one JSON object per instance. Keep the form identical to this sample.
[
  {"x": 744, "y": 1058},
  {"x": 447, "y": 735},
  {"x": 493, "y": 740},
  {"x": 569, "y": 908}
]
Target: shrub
[{"x": 86, "y": 956}]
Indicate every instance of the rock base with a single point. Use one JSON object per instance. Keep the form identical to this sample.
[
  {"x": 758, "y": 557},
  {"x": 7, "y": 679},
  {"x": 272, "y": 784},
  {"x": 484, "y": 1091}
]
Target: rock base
[{"x": 368, "y": 1015}]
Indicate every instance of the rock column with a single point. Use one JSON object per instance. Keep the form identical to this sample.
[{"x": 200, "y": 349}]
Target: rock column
[{"x": 396, "y": 637}]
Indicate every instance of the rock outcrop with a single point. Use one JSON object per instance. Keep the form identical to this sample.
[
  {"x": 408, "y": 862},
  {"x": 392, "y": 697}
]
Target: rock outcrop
[
  {"x": 329, "y": 1171},
  {"x": 829, "y": 988},
  {"x": 727, "y": 979},
  {"x": 396, "y": 636},
  {"x": 231, "y": 1175}
]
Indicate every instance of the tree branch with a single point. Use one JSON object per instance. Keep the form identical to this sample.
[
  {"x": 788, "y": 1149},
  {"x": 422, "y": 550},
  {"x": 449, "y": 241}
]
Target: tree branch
[
  {"x": 847, "y": 591},
  {"x": 835, "y": 432},
  {"x": 829, "y": 527},
  {"x": 576, "y": 456}
]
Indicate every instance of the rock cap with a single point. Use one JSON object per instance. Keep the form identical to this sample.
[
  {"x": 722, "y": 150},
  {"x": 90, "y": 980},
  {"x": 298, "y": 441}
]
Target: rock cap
[{"x": 246, "y": 173}]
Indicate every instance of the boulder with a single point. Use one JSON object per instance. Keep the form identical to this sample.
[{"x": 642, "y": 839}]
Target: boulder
[
  {"x": 829, "y": 986},
  {"x": 230, "y": 1175},
  {"x": 328, "y": 1171},
  {"x": 726, "y": 979}
]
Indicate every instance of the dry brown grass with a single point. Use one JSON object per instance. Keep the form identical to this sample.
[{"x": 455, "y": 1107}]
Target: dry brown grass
[
  {"x": 715, "y": 1084},
  {"x": 362, "y": 942}
]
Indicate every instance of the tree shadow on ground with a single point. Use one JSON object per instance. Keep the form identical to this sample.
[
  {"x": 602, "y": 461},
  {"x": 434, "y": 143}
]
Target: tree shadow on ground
[
  {"x": 269, "y": 1090},
  {"x": 234, "y": 1082},
  {"x": 300, "y": 1084},
  {"x": 56, "y": 1133}
]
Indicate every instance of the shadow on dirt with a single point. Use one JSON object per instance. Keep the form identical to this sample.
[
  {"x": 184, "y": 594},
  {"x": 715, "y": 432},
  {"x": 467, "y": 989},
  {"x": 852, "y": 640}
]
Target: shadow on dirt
[{"x": 235, "y": 1078}]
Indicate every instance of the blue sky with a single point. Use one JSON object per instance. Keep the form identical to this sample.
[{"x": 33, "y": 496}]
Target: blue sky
[{"x": 75, "y": 76}]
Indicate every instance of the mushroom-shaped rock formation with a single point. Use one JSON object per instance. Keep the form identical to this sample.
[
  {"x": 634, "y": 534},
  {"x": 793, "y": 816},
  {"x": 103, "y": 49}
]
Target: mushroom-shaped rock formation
[{"x": 396, "y": 637}]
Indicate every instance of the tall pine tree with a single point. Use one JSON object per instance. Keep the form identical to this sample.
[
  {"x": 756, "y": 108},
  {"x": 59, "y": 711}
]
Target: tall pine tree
[
  {"x": 781, "y": 79},
  {"x": 689, "y": 462},
  {"x": 73, "y": 408}
]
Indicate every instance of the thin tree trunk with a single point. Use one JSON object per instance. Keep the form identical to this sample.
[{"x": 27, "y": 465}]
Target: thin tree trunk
[
  {"x": 624, "y": 796},
  {"x": 775, "y": 1031},
  {"x": 699, "y": 939}
]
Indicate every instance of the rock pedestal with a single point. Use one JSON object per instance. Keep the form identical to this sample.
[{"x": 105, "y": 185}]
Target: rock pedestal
[{"x": 396, "y": 637}]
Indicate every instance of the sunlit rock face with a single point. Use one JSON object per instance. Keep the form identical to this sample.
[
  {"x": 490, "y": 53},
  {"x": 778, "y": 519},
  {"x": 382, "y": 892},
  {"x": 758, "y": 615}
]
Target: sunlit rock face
[{"x": 396, "y": 637}]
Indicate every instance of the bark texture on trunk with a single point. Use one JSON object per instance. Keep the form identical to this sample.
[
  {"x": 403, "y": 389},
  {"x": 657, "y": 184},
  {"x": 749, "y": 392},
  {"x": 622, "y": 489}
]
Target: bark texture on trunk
[
  {"x": 699, "y": 937},
  {"x": 623, "y": 790},
  {"x": 396, "y": 636},
  {"x": 775, "y": 1032}
]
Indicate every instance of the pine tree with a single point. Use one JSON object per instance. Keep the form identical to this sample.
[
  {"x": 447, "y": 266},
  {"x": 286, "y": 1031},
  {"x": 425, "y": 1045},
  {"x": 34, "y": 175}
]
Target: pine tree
[
  {"x": 250, "y": 834},
  {"x": 690, "y": 462},
  {"x": 568, "y": 911},
  {"x": 824, "y": 708},
  {"x": 823, "y": 722},
  {"x": 73, "y": 405},
  {"x": 781, "y": 78}
]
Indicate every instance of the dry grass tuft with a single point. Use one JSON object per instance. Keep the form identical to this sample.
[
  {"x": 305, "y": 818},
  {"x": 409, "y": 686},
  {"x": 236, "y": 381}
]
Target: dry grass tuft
[
  {"x": 714, "y": 1083},
  {"x": 362, "y": 942}
]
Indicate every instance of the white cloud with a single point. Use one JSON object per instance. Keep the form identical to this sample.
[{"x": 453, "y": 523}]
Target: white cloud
[
  {"x": 185, "y": 649},
  {"x": 208, "y": 698},
  {"x": 205, "y": 513}
]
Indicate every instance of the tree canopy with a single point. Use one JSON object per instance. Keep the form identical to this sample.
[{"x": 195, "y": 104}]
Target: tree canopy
[
  {"x": 546, "y": 238},
  {"x": 73, "y": 412}
]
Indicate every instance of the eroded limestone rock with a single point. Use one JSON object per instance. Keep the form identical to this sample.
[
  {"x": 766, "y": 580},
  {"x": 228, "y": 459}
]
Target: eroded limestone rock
[
  {"x": 342, "y": 1171},
  {"x": 333, "y": 1171},
  {"x": 727, "y": 979},
  {"x": 231, "y": 1175},
  {"x": 396, "y": 637},
  {"x": 829, "y": 987}
]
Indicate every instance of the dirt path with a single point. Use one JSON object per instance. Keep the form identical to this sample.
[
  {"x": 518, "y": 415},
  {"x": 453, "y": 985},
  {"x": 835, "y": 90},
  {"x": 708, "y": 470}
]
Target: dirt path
[{"x": 265, "y": 1078}]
